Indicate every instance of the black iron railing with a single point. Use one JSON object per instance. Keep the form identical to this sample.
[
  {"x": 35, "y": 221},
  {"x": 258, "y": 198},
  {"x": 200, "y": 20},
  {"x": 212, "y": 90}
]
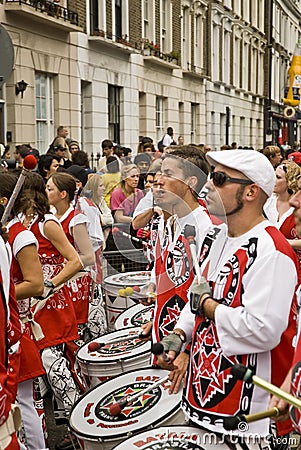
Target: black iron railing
[{"x": 50, "y": 8}]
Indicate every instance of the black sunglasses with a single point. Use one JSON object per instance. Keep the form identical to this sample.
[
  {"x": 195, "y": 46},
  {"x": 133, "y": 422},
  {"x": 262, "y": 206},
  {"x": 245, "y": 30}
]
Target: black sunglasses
[{"x": 220, "y": 178}]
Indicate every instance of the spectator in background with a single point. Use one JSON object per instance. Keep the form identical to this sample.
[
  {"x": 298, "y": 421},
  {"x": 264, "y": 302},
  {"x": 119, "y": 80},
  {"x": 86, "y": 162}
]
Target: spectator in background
[
  {"x": 63, "y": 153},
  {"x": 95, "y": 190},
  {"x": 60, "y": 139},
  {"x": 79, "y": 173},
  {"x": 168, "y": 138},
  {"x": 124, "y": 200},
  {"x": 234, "y": 145},
  {"x": 6, "y": 152},
  {"x": 81, "y": 159},
  {"x": 180, "y": 140},
  {"x": 47, "y": 165},
  {"x": 107, "y": 150},
  {"x": 20, "y": 152},
  {"x": 111, "y": 178},
  {"x": 127, "y": 155},
  {"x": 143, "y": 162},
  {"x": 273, "y": 153},
  {"x": 73, "y": 147}
]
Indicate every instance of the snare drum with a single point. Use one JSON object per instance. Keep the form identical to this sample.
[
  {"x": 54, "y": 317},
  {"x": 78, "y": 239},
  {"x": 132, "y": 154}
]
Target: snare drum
[
  {"x": 116, "y": 304},
  {"x": 188, "y": 438},
  {"x": 96, "y": 429},
  {"x": 134, "y": 316},
  {"x": 113, "y": 358}
]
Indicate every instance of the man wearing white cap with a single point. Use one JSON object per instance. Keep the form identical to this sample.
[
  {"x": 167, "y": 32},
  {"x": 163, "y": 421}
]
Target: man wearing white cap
[{"x": 242, "y": 311}]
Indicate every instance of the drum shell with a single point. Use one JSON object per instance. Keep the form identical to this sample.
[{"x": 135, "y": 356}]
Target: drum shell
[
  {"x": 97, "y": 367},
  {"x": 162, "y": 436},
  {"x": 115, "y": 304},
  {"x": 83, "y": 417}
]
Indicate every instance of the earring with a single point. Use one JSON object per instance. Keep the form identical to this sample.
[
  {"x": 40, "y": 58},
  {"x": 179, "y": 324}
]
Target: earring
[{"x": 1, "y": 201}]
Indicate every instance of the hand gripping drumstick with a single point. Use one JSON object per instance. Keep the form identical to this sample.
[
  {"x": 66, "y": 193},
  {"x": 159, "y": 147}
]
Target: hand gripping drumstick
[
  {"x": 232, "y": 423},
  {"x": 245, "y": 374},
  {"x": 189, "y": 234},
  {"x": 29, "y": 163},
  {"x": 116, "y": 230},
  {"x": 116, "y": 408},
  {"x": 158, "y": 350}
]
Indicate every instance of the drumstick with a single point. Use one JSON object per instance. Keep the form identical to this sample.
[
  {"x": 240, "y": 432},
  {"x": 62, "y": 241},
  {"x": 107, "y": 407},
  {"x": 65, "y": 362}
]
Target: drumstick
[
  {"x": 94, "y": 346},
  {"x": 117, "y": 407},
  {"x": 116, "y": 230},
  {"x": 79, "y": 274},
  {"x": 245, "y": 374},
  {"x": 232, "y": 423},
  {"x": 29, "y": 163}
]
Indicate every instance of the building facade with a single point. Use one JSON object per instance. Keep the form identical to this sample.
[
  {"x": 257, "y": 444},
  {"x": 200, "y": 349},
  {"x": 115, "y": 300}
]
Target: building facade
[{"x": 123, "y": 69}]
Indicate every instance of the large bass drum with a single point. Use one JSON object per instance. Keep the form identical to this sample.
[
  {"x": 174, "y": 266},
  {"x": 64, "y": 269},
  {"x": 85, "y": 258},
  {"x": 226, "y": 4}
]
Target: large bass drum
[{"x": 95, "y": 427}]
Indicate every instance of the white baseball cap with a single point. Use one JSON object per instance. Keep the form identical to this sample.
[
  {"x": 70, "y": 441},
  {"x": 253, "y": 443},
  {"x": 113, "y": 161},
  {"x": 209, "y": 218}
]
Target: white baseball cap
[{"x": 254, "y": 165}]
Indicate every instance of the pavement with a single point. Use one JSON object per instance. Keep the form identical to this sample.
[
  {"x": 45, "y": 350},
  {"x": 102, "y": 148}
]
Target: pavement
[{"x": 55, "y": 432}]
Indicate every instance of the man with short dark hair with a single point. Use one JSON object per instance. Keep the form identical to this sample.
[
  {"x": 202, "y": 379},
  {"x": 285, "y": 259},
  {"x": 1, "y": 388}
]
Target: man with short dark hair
[{"x": 107, "y": 150}]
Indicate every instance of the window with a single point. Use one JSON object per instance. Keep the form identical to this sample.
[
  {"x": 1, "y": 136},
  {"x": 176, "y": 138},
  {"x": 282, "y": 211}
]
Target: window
[
  {"x": 148, "y": 22},
  {"x": 97, "y": 16},
  {"x": 114, "y": 113},
  {"x": 193, "y": 121},
  {"x": 44, "y": 111},
  {"x": 185, "y": 39},
  {"x": 159, "y": 117},
  {"x": 146, "y": 33},
  {"x": 216, "y": 55},
  {"x": 166, "y": 21},
  {"x": 118, "y": 18}
]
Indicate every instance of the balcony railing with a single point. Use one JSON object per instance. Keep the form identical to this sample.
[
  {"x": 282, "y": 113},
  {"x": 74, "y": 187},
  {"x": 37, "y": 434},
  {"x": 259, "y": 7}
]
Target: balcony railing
[{"x": 49, "y": 8}]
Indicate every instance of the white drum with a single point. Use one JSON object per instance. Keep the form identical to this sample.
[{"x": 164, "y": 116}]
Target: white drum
[
  {"x": 95, "y": 427},
  {"x": 116, "y": 303},
  {"x": 119, "y": 354},
  {"x": 173, "y": 437},
  {"x": 134, "y": 316}
]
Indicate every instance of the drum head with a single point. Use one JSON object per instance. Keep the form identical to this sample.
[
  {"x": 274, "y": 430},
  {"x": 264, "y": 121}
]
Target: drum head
[
  {"x": 118, "y": 346},
  {"x": 172, "y": 437},
  {"x": 134, "y": 316},
  {"x": 128, "y": 279},
  {"x": 90, "y": 417}
]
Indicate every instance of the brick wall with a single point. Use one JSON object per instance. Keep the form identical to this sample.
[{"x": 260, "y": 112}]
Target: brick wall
[
  {"x": 135, "y": 26},
  {"x": 80, "y": 8}
]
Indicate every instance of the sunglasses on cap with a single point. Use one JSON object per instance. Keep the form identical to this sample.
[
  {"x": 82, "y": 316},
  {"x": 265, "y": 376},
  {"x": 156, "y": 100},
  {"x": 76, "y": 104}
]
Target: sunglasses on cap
[{"x": 220, "y": 178}]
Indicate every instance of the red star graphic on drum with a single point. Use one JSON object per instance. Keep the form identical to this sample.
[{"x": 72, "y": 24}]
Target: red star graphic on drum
[
  {"x": 138, "y": 404},
  {"x": 121, "y": 346}
]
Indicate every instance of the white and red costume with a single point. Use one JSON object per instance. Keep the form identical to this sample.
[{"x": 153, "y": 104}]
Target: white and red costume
[
  {"x": 10, "y": 333},
  {"x": 57, "y": 317},
  {"x": 31, "y": 364},
  {"x": 173, "y": 269},
  {"x": 286, "y": 223},
  {"x": 30, "y": 360},
  {"x": 254, "y": 277},
  {"x": 79, "y": 288}
]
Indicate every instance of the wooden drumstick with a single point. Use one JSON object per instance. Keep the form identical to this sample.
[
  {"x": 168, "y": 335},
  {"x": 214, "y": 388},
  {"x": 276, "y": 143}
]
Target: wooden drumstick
[
  {"x": 117, "y": 407},
  {"x": 243, "y": 373},
  {"x": 94, "y": 346},
  {"x": 232, "y": 423},
  {"x": 116, "y": 230},
  {"x": 29, "y": 163}
]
